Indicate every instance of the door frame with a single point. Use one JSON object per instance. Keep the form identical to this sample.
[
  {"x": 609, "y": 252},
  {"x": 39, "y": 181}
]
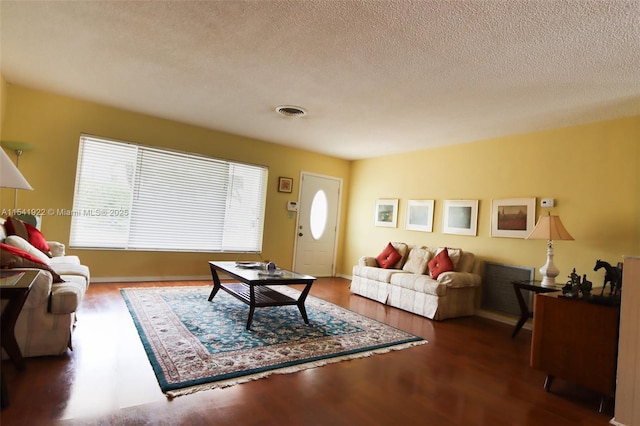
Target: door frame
[{"x": 338, "y": 212}]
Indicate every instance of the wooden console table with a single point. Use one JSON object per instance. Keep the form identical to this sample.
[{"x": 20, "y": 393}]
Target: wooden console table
[{"x": 577, "y": 341}]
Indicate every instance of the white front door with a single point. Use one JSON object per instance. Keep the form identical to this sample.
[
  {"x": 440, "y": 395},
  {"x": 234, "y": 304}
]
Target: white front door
[{"x": 317, "y": 228}]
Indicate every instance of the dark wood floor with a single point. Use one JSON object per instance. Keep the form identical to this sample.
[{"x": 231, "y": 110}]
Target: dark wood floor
[{"x": 470, "y": 373}]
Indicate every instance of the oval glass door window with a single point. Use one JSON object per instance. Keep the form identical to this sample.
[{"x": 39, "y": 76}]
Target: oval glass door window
[{"x": 318, "y": 215}]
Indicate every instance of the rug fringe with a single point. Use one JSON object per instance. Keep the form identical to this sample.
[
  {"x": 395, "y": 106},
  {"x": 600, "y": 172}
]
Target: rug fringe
[{"x": 286, "y": 370}]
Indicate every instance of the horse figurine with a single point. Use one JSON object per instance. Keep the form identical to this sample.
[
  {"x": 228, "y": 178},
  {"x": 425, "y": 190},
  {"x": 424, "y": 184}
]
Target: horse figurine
[{"x": 611, "y": 276}]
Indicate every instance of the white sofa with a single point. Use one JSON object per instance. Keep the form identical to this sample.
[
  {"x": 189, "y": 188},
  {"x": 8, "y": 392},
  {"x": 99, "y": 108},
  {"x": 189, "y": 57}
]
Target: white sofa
[
  {"x": 46, "y": 321},
  {"x": 408, "y": 285}
]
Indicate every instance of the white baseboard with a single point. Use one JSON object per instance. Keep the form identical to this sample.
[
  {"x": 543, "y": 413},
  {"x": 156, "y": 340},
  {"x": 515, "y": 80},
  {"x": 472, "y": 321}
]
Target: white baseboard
[
  {"x": 503, "y": 318},
  {"x": 346, "y": 277},
  {"x": 143, "y": 279}
]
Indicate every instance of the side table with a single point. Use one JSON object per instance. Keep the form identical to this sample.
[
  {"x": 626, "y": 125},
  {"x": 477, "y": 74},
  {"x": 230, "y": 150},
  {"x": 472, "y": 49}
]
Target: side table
[
  {"x": 533, "y": 286},
  {"x": 14, "y": 287}
]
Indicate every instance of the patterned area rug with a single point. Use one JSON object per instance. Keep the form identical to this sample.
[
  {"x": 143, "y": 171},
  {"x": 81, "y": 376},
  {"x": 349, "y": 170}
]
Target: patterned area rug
[{"x": 194, "y": 344}]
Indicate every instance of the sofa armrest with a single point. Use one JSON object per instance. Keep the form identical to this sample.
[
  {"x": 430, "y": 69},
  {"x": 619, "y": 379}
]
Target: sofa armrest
[
  {"x": 367, "y": 261},
  {"x": 459, "y": 279},
  {"x": 57, "y": 249}
]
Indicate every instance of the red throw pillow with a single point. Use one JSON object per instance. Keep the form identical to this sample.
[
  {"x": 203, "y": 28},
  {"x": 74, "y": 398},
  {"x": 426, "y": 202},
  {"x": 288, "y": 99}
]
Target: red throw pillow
[
  {"x": 37, "y": 239},
  {"x": 440, "y": 263},
  {"x": 13, "y": 257},
  {"x": 389, "y": 257},
  {"x": 21, "y": 253}
]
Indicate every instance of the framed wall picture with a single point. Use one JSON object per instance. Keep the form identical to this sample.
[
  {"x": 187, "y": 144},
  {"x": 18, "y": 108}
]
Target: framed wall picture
[
  {"x": 513, "y": 217},
  {"x": 460, "y": 217},
  {"x": 285, "y": 184},
  {"x": 419, "y": 215},
  {"x": 386, "y": 213}
]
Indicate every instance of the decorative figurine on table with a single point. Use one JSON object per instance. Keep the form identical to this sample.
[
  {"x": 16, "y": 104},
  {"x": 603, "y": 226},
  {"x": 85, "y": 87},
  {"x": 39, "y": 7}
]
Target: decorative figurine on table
[
  {"x": 613, "y": 276},
  {"x": 585, "y": 287},
  {"x": 572, "y": 287},
  {"x": 576, "y": 286}
]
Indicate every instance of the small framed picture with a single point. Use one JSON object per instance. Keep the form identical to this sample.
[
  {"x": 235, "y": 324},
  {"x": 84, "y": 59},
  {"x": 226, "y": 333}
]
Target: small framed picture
[
  {"x": 386, "y": 213},
  {"x": 460, "y": 217},
  {"x": 419, "y": 215},
  {"x": 512, "y": 217},
  {"x": 285, "y": 184}
]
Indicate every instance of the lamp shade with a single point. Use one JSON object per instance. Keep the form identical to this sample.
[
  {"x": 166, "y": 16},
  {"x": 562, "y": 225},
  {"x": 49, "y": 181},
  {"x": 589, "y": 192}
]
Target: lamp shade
[
  {"x": 10, "y": 176},
  {"x": 549, "y": 228}
]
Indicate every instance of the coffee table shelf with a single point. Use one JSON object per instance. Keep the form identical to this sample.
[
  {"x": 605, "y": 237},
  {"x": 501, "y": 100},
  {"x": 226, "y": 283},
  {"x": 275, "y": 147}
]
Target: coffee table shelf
[{"x": 264, "y": 296}]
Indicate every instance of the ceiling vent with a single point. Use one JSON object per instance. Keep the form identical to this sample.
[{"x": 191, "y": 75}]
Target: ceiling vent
[{"x": 291, "y": 111}]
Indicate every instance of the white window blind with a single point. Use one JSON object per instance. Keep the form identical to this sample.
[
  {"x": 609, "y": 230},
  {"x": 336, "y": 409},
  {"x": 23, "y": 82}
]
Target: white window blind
[{"x": 135, "y": 197}]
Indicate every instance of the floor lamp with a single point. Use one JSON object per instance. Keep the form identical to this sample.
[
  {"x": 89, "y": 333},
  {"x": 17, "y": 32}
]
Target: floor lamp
[
  {"x": 10, "y": 176},
  {"x": 13, "y": 175}
]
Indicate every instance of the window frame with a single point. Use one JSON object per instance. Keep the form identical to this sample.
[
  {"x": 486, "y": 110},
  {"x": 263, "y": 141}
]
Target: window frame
[{"x": 243, "y": 221}]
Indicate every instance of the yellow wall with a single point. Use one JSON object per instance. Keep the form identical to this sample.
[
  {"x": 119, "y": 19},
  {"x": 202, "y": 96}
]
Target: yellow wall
[
  {"x": 54, "y": 123},
  {"x": 592, "y": 172},
  {"x": 3, "y": 101}
]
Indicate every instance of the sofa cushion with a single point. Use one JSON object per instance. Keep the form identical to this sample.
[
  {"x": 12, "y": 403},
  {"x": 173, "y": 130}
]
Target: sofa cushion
[
  {"x": 24, "y": 245},
  {"x": 65, "y": 269},
  {"x": 389, "y": 257},
  {"x": 12, "y": 257},
  {"x": 57, "y": 249},
  {"x": 419, "y": 283},
  {"x": 403, "y": 249},
  {"x": 467, "y": 262},
  {"x": 374, "y": 273},
  {"x": 67, "y": 259},
  {"x": 440, "y": 263},
  {"x": 367, "y": 261},
  {"x": 417, "y": 260}
]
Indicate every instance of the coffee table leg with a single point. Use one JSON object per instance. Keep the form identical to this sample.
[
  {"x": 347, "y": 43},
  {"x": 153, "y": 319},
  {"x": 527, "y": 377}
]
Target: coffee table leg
[
  {"x": 252, "y": 306},
  {"x": 303, "y": 312},
  {"x": 301, "y": 300},
  {"x": 216, "y": 283}
]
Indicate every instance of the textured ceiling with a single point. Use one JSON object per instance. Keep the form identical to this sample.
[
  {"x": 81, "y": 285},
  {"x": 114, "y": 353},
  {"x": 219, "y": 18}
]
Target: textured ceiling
[{"x": 377, "y": 77}]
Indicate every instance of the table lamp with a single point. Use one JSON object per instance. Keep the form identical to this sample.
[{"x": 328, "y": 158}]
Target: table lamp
[{"x": 549, "y": 228}]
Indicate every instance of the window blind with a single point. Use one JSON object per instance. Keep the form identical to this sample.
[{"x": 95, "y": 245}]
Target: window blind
[{"x": 134, "y": 197}]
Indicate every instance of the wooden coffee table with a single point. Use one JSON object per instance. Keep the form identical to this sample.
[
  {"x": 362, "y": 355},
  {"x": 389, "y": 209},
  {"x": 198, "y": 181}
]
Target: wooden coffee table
[{"x": 253, "y": 286}]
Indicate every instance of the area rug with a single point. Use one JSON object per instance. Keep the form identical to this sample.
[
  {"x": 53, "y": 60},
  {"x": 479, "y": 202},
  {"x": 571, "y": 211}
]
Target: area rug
[{"x": 194, "y": 344}]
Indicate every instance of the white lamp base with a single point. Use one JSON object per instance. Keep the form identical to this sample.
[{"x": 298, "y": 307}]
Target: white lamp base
[
  {"x": 549, "y": 271},
  {"x": 548, "y": 281}
]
